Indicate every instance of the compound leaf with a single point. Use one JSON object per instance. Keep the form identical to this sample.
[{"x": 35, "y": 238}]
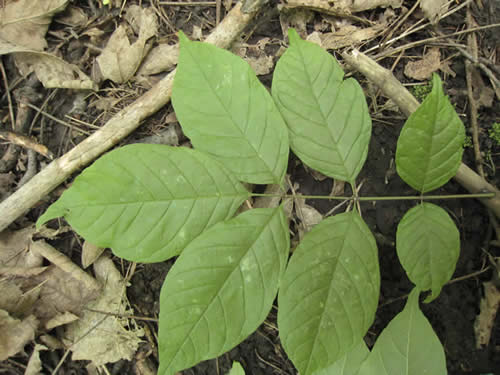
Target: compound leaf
[
  {"x": 327, "y": 117},
  {"x": 329, "y": 293},
  {"x": 349, "y": 363},
  {"x": 147, "y": 202},
  {"x": 430, "y": 146},
  {"x": 221, "y": 288},
  {"x": 407, "y": 346},
  {"x": 225, "y": 111},
  {"x": 428, "y": 246}
]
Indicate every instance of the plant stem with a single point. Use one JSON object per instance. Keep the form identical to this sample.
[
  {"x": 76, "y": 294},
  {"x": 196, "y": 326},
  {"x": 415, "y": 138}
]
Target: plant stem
[{"x": 387, "y": 198}]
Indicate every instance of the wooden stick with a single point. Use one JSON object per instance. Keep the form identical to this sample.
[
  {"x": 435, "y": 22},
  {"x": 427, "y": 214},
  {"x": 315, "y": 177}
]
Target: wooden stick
[
  {"x": 392, "y": 88},
  {"x": 118, "y": 127}
]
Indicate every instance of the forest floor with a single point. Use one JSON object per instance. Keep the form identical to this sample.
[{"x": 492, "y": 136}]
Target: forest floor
[{"x": 460, "y": 42}]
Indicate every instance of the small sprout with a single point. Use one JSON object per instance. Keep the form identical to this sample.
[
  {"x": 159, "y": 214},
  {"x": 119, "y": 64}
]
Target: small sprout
[{"x": 494, "y": 133}]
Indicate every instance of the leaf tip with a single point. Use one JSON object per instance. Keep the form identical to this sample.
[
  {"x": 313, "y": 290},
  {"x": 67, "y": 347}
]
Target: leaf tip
[
  {"x": 183, "y": 39},
  {"x": 293, "y": 36}
]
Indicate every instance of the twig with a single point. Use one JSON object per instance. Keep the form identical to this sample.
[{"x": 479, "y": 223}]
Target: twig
[
  {"x": 64, "y": 263},
  {"x": 188, "y": 3},
  {"x": 472, "y": 42},
  {"x": 9, "y": 98},
  {"x": 55, "y": 119},
  {"x": 400, "y": 22},
  {"x": 30, "y": 169},
  {"x": 27, "y": 142},
  {"x": 118, "y": 127},
  {"x": 481, "y": 62},
  {"x": 217, "y": 12},
  {"x": 9, "y": 159},
  {"x": 392, "y": 88},
  {"x": 457, "y": 279},
  {"x": 125, "y": 316},
  {"x": 429, "y": 40},
  {"x": 414, "y": 29}
]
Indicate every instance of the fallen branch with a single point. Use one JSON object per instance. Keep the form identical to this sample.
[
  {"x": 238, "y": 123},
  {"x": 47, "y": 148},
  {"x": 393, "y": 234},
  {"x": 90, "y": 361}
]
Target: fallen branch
[
  {"x": 118, "y": 127},
  {"x": 392, "y": 88}
]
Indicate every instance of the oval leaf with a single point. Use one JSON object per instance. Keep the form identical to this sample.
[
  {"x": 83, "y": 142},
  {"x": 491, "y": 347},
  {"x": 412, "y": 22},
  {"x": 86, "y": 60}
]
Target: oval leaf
[
  {"x": 221, "y": 288},
  {"x": 407, "y": 346},
  {"x": 430, "y": 147},
  {"x": 327, "y": 117},
  {"x": 329, "y": 293},
  {"x": 428, "y": 246},
  {"x": 349, "y": 363},
  {"x": 225, "y": 111},
  {"x": 147, "y": 202}
]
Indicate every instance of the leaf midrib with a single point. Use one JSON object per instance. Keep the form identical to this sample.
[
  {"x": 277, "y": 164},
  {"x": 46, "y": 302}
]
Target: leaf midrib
[
  {"x": 263, "y": 227},
  {"x": 235, "y": 123},
  {"x": 334, "y": 141},
  {"x": 160, "y": 201}
]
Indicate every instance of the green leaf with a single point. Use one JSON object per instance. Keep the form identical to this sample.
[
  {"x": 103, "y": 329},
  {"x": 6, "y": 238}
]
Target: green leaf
[
  {"x": 349, "y": 363},
  {"x": 147, "y": 202},
  {"x": 407, "y": 346},
  {"x": 221, "y": 288},
  {"x": 327, "y": 117},
  {"x": 329, "y": 293},
  {"x": 430, "y": 147},
  {"x": 237, "y": 369},
  {"x": 428, "y": 246},
  {"x": 225, "y": 111}
]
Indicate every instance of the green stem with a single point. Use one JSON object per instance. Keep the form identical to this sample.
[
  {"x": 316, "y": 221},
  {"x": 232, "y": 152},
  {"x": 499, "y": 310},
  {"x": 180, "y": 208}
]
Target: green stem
[{"x": 388, "y": 198}]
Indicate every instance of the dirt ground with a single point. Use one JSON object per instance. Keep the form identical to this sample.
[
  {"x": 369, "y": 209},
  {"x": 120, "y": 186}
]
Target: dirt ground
[{"x": 452, "y": 314}]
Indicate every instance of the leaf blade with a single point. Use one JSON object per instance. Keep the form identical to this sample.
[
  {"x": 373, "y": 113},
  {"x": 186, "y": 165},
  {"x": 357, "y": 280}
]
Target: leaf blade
[
  {"x": 349, "y": 363},
  {"x": 327, "y": 117},
  {"x": 146, "y": 202},
  {"x": 329, "y": 293},
  {"x": 225, "y": 111},
  {"x": 235, "y": 266},
  {"x": 407, "y": 346},
  {"x": 428, "y": 247},
  {"x": 430, "y": 146}
]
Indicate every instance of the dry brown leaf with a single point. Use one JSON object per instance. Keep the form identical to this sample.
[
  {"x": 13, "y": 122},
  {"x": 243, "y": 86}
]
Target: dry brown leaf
[
  {"x": 261, "y": 65},
  {"x": 90, "y": 253},
  {"x": 34, "y": 366},
  {"x": 15, "y": 334},
  {"x": 161, "y": 59},
  {"x": 255, "y": 56},
  {"x": 14, "y": 300},
  {"x": 342, "y": 7},
  {"x": 51, "y": 342},
  {"x": 14, "y": 249},
  {"x": 25, "y": 22},
  {"x": 423, "y": 69},
  {"x": 103, "y": 338},
  {"x": 338, "y": 188},
  {"x": 308, "y": 216},
  {"x": 119, "y": 60},
  {"x": 60, "y": 292},
  {"x": 197, "y": 33},
  {"x": 52, "y": 71},
  {"x": 296, "y": 18},
  {"x": 488, "y": 309},
  {"x": 434, "y": 9},
  {"x": 60, "y": 320},
  {"x": 73, "y": 16},
  {"x": 65, "y": 287},
  {"x": 349, "y": 35},
  {"x": 6, "y": 181}
]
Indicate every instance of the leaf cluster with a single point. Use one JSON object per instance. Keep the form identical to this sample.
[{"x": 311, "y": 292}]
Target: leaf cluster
[{"x": 149, "y": 203}]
